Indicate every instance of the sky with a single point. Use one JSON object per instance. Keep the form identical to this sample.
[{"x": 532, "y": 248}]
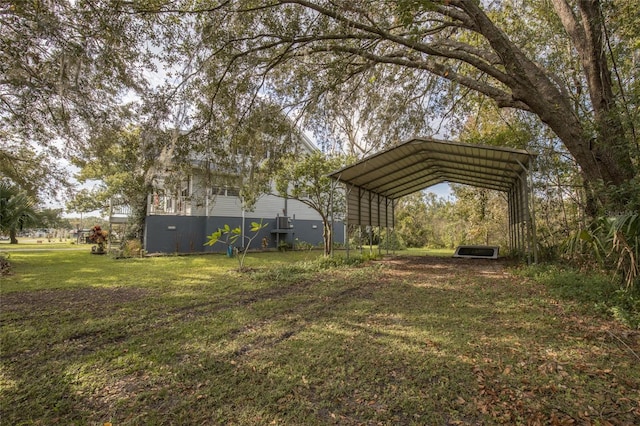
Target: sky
[{"x": 442, "y": 190}]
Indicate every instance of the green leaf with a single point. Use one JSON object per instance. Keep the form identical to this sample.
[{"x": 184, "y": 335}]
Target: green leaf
[
  {"x": 213, "y": 238},
  {"x": 585, "y": 236},
  {"x": 255, "y": 226}
]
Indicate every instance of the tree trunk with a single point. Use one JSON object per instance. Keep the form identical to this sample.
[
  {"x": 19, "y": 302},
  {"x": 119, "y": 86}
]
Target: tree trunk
[
  {"x": 326, "y": 236},
  {"x": 140, "y": 215},
  {"x": 603, "y": 155},
  {"x": 12, "y": 237},
  {"x": 609, "y": 157}
]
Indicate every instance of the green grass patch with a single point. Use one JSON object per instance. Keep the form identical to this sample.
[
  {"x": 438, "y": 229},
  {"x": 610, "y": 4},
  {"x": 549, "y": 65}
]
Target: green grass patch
[
  {"x": 595, "y": 292},
  {"x": 300, "y": 340},
  {"x": 39, "y": 243}
]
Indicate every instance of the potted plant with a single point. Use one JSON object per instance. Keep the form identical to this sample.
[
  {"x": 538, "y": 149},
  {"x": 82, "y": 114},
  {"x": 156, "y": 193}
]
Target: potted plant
[{"x": 98, "y": 236}]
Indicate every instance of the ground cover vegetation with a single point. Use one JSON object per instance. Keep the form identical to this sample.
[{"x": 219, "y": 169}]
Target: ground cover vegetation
[{"x": 301, "y": 340}]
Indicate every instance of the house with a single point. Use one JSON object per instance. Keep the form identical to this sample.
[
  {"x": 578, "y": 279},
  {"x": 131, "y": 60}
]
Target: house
[{"x": 180, "y": 215}]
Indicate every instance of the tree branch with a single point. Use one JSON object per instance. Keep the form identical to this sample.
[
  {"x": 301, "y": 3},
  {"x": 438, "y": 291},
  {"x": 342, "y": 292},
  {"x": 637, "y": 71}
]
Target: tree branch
[{"x": 503, "y": 98}]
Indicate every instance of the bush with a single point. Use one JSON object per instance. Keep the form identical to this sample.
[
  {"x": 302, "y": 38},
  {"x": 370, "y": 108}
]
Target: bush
[
  {"x": 612, "y": 242},
  {"x": 303, "y": 245},
  {"x": 395, "y": 242},
  {"x": 549, "y": 253},
  {"x": 132, "y": 248},
  {"x": 5, "y": 266}
]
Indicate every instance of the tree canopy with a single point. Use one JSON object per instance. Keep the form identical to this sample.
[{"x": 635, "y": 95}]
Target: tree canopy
[
  {"x": 65, "y": 68},
  {"x": 370, "y": 73},
  {"x": 562, "y": 61},
  {"x": 307, "y": 179}
]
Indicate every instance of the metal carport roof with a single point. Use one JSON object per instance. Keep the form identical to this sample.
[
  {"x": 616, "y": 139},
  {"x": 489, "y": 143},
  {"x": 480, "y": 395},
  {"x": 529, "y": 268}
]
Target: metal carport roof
[
  {"x": 375, "y": 182},
  {"x": 420, "y": 163}
]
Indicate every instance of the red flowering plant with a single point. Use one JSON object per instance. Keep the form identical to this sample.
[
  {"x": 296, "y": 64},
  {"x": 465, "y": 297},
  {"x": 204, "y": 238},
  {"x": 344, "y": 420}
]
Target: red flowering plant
[{"x": 98, "y": 236}]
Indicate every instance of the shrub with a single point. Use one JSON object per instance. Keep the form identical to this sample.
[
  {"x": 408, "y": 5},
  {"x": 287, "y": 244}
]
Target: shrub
[
  {"x": 5, "y": 266},
  {"x": 395, "y": 242},
  {"x": 613, "y": 242},
  {"x": 230, "y": 236},
  {"x": 303, "y": 245},
  {"x": 132, "y": 248}
]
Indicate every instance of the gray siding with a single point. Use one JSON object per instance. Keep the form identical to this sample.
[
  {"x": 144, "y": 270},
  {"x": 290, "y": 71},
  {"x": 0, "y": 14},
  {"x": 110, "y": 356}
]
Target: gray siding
[
  {"x": 174, "y": 234},
  {"x": 187, "y": 234}
]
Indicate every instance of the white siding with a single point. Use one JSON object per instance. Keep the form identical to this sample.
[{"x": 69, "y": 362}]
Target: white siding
[
  {"x": 222, "y": 205},
  {"x": 198, "y": 196},
  {"x": 301, "y": 211},
  {"x": 267, "y": 207},
  {"x": 200, "y": 202}
]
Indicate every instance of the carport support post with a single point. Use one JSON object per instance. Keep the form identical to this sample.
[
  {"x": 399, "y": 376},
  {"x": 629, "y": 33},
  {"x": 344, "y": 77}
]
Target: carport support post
[
  {"x": 517, "y": 202},
  {"x": 524, "y": 217},
  {"x": 533, "y": 214},
  {"x": 346, "y": 232},
  {"x": 516, "y": 219},
  {"x": 346, "y": 217},
  {"x": 521, "y": 221},
  {"x": 530, "y": 222},
  {"x": 379, "y": 228},
  {"x": 525, "y": 197},
  {"x": 388, "y": 242},
  {"x": 510, "y": 215},
  {"x": 370, "y": 227},
  {"x": 333, "y": 187},
  {"x": 386, "y": 221}
]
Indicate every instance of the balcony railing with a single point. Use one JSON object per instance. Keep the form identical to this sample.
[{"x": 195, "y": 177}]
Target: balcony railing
[
  {"x": 164, "y": 204},
  {"x": 120, "y": 210}
]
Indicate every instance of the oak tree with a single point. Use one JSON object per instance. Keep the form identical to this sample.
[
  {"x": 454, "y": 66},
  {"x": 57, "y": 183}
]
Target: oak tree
[{"x": 558, "y": 60}]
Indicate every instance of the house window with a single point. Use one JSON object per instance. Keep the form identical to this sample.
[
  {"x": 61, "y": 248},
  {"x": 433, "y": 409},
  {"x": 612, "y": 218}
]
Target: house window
[
  {"x": 233, "y": 192},
  {"x": 185, "y": 190}
]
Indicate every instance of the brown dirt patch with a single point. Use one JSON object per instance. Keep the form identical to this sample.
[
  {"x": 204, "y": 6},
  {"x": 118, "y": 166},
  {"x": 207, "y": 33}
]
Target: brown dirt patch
[
  {"x": 75, "y": 299},
  {"x": 440, "y": 267}
]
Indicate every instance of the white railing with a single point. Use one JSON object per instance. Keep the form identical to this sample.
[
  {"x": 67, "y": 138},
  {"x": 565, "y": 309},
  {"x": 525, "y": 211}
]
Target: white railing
[
  {"x": 164, "y": 204},
  {"x": 121, "y": 210}
]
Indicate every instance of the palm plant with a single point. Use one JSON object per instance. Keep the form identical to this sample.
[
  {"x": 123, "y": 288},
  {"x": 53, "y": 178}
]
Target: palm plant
[
  {"x": 613, "y": 242},
  {"x": 17, "y": 210},
  {"x": 624, "y": 235}
]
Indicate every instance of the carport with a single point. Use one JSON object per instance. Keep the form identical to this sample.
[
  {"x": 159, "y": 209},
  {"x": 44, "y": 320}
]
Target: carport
[{"x": 374, "y": 183}]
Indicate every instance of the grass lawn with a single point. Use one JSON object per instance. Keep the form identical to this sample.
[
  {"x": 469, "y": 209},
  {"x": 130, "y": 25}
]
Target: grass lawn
[
  {"x": 39, "y": 243},
  {"x": 406, "y": 340}
]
